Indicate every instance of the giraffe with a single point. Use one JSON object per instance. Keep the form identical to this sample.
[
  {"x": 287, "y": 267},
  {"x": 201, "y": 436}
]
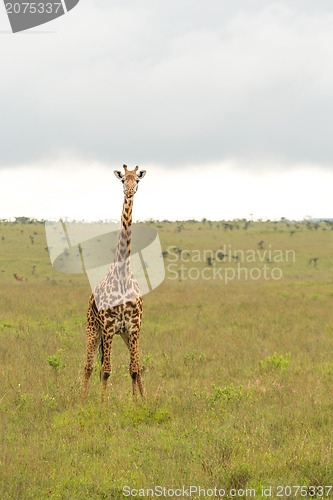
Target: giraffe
[{"x": 115, "y": 305}]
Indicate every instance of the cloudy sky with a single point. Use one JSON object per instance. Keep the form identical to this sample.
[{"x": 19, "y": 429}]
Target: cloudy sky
[{"x": 227, "y": 105}]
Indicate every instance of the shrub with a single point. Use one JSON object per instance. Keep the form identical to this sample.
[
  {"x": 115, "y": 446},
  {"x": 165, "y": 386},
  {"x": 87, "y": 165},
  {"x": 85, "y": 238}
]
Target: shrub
[{"x": 275, "y": 361}]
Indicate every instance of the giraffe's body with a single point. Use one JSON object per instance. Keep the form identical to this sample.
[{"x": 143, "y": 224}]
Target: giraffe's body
[{"x": 115, "y": 305}]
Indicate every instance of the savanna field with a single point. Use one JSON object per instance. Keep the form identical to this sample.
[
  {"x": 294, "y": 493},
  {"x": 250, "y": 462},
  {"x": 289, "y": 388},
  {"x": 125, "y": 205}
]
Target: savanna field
[{"x": 238, "y": 375}]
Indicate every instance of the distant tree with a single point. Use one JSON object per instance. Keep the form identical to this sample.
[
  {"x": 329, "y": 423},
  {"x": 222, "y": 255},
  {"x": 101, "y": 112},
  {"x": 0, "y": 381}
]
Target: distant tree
[
  {"x": 329, "y": 224},
  {"x": 22, "y": 220},
  {"x": 227, "y": 225},
  {"x": 220, "y": 255}
]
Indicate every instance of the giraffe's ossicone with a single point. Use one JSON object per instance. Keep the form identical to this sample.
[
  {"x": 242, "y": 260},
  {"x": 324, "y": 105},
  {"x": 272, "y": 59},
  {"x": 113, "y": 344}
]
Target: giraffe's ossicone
[{"x": 115, "y": 305}]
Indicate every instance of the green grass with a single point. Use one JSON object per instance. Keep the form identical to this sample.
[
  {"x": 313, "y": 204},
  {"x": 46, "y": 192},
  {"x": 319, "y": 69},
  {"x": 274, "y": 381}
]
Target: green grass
[{"x": 238, "y": 376}]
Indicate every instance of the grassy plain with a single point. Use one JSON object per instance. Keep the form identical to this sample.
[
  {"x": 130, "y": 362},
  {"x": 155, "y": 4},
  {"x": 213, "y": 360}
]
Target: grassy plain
[{"x": 239, "y": 376}]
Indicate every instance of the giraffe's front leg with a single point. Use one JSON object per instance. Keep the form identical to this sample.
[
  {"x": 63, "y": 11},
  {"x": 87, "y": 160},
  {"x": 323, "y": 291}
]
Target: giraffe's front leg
[
  {"x": 106, "y": 361},
  {"x": 93, "y": 339},
  {"x": 131, "y": 339},
  {"x": 134, "y": 368}
]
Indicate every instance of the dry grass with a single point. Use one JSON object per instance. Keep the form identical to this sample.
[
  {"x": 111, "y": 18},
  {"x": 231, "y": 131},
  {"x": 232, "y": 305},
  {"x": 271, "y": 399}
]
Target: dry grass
[{"x": 223, "y": 409}]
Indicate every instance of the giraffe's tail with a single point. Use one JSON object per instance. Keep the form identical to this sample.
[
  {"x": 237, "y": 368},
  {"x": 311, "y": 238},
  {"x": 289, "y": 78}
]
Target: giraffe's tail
[{"x": 101, "y": 352}]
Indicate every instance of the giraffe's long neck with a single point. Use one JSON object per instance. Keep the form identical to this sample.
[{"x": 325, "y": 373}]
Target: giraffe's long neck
[{"x": 123, "y": 249}]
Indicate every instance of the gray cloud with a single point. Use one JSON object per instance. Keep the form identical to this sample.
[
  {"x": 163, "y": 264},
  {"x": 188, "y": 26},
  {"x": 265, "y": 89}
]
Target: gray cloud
[{"x": 175, "y": 83}]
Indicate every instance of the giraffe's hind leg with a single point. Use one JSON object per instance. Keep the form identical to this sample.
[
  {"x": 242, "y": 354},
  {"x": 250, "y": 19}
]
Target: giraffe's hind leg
[
  {"x": 131, "y": 339},
  {"x": 93, "y": 340}
]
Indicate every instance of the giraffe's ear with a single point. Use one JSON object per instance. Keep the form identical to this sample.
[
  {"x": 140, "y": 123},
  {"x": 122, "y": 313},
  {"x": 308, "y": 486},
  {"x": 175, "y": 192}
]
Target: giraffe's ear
[
  {"x": 141, "y": 174},
  {"x": 118, "y": 174}
]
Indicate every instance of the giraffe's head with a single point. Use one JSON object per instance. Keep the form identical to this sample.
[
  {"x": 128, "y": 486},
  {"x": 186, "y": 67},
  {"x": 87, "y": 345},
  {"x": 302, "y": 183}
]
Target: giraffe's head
[{"x": 130, "y": 180}]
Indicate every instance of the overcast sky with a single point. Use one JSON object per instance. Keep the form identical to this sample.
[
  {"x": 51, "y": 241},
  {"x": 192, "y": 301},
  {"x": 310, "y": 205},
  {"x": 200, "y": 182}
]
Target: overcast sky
[{"x": 227, "y": 105}]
